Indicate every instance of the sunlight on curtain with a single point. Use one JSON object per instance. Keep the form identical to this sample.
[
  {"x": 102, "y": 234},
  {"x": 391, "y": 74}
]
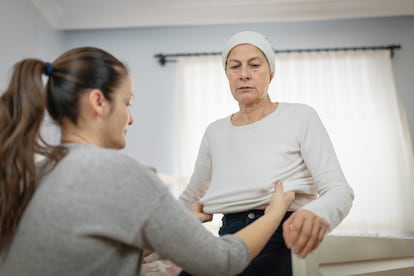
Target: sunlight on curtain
[
  {"x": 355, "y": 95},
  {"x": 204, "y": 96}
]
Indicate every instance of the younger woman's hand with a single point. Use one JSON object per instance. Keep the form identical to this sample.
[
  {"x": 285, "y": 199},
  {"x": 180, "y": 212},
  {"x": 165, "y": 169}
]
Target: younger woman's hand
[
  {"x": 280, "y": 200},
  {"x": 197, "y": 210}
]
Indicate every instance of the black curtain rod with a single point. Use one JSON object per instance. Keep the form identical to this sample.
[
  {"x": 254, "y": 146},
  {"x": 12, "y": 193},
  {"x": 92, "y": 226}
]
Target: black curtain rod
[{"x": 164, "y": 58}]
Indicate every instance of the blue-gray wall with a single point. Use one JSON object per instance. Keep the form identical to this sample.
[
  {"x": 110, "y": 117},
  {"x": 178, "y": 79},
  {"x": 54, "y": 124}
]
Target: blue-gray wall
[
  {"x": 24, "y": 33},
  {"x": 152, "y": 138}
]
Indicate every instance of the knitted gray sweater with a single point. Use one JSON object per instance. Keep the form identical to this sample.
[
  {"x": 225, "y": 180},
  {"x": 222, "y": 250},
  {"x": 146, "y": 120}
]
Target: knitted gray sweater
[{"x": 96, "y": 211}]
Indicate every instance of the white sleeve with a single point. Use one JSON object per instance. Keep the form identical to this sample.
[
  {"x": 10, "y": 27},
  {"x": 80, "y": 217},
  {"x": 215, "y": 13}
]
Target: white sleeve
[
  {"x": 335, "y": 195},
  {"x": 200, "y": 180}
]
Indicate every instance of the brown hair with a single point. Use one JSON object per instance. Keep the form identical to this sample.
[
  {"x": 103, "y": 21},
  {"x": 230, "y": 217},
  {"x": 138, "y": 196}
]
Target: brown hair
[{"x": 22, "y": 109}]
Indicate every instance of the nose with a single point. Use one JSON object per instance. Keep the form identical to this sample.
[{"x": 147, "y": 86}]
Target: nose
[
  {"x": 130, "y": 119},
  {"x": 244, "y": 72}
]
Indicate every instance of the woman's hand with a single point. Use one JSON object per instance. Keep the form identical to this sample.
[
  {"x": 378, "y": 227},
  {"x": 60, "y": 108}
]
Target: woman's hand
[
  {"x": 280, "y": 200},
  {"x": 197, "y": 210},
  {"x": 258, "y": 233},
  {"x": 303, "y": 231}
]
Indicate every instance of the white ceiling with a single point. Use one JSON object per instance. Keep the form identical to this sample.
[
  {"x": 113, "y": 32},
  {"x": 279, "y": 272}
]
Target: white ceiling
[{"x": 98, "y": 14}]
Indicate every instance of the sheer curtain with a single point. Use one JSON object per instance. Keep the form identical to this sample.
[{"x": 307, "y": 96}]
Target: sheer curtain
[{"x": 355, "y": 95}]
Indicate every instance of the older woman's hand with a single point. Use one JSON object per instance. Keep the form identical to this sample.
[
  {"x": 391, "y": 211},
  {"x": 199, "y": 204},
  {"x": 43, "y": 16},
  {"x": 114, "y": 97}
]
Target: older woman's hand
[{"x": 303, "y": 231}]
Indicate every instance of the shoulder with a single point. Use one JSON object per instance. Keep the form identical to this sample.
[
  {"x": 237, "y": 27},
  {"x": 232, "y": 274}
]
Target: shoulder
[
  {"x": 95, "y": 159},
  {"x": 97, "y": 155},
  {"x": 297, "y": 108},
  {"x": 111, "y": 169},
  {"x": 300, "y": 115},
  {"x": 219, "y": 124}
]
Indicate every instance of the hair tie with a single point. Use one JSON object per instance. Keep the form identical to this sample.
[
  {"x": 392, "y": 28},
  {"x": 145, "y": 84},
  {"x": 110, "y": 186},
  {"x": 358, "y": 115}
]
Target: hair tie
[{"x": 48, "y": 69}]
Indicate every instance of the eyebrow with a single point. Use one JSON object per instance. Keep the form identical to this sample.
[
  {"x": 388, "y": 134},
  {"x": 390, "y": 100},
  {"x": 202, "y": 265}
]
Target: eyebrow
[
  {"x": 249, "y": 60},
  {"x": 129, "y": 96}
]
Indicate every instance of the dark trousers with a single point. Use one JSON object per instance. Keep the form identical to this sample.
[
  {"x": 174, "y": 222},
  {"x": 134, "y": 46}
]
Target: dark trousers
[{"x": 273, "y": 260}]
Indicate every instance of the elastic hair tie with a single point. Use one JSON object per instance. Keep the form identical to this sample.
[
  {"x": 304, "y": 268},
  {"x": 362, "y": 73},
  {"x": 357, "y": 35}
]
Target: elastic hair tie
[{"x": 49, "y": 69}]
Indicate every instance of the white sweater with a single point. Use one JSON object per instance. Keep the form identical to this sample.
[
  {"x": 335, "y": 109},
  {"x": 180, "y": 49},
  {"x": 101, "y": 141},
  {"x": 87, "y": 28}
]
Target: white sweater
[{"x": 237, "y": 165}]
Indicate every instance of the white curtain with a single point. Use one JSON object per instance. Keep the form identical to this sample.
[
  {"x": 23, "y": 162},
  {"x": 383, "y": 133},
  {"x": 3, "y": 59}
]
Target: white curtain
[{"x": 355, "y": 95}]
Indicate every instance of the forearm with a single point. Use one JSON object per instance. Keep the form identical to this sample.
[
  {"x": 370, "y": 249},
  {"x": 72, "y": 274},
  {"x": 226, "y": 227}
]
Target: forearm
[
  {"x": 193, "y": 192},
  {"x": 333, "y": 205},
  {"x": 258, "y": 233},
  {"x": 171, "y": 228}
]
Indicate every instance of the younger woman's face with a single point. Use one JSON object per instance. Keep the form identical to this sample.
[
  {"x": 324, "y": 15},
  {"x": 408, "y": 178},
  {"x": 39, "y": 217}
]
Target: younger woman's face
[{"x": 119, "y": 117}]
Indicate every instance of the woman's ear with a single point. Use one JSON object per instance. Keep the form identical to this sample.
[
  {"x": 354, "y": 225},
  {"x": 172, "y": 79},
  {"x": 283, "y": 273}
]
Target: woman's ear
[
  {"x": 97, "y": 101},
  {"x": 271, "y": 76}
]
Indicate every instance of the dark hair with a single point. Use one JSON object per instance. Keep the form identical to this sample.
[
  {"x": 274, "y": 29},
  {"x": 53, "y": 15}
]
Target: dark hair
[{"x": 22, "y": 109}]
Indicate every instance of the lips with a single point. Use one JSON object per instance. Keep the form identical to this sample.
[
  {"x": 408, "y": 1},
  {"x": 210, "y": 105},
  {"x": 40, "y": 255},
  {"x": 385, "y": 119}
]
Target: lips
[{"x": 244, "y": 88}]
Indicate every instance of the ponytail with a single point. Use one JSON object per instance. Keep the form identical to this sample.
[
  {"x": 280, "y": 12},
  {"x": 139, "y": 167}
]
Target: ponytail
[{"x": 22, "y": 108}]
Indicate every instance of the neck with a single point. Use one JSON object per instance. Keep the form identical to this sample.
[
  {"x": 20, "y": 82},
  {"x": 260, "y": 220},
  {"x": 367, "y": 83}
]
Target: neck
[
  {"x": 75, "y": 138},
  {"x": 251, "y": 114},
  {"x": 80, "y": 133},
  {"x": 72, "y": 134}
]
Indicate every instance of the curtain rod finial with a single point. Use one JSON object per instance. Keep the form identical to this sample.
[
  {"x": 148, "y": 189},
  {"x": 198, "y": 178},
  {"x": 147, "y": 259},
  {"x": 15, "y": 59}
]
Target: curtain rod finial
[{"x": 161, "y": 59}]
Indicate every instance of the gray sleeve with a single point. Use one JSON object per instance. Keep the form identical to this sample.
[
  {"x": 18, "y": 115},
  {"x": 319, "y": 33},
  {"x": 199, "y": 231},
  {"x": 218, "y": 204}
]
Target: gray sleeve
[
  {"x": 176, "y": 235},
  {"x": 136, "y": 208}
]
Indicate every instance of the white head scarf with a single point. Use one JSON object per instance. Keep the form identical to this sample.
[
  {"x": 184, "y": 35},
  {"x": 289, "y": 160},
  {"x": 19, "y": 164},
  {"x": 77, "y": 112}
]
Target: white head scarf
[{"x": 256, "y": 39}]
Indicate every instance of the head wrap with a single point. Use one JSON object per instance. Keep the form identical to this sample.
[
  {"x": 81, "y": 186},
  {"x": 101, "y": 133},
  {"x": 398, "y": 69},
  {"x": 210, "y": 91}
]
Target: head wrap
[{"x": 256, "y": 39}]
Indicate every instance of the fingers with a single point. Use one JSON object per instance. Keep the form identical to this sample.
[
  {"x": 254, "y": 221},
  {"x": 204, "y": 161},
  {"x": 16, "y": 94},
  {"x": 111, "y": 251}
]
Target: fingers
[
  {"x": 290, "y": 195},
  {"x": 196, "y": 206},
  {"x": 280, "y": 200},
  {"x": 203, "y": 217},
  {"x": 291, "y": 230},
  {"x": 197, "y": 210},
  {"x": 303, "y": 232},
  {"x": 313, "y": 241},
  {"x": 278, "y": 186},
  {"x": 307, "y": 239}
]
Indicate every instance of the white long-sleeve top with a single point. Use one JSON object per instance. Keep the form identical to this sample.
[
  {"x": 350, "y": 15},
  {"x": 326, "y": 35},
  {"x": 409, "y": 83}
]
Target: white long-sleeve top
[{"x": 237, "y": 165}]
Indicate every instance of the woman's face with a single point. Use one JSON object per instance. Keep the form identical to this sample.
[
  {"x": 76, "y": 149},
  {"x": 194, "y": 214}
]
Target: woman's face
[
  {"x": 248, "y": 73},
  {"x": 119, "y": 117}
]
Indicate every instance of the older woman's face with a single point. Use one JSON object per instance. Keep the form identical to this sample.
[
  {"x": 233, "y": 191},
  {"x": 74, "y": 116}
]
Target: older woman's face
[{"x": 248, "y": 73}]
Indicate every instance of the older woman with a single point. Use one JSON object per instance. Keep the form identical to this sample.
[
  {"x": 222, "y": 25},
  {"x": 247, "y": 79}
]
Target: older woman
[{"x": 264, "y": 141}]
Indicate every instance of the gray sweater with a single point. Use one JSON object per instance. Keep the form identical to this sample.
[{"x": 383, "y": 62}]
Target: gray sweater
[{"x": 96, "y": 212}]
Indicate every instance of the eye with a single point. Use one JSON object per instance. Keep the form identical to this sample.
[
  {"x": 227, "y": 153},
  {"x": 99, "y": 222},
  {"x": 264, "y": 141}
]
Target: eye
[
  {"x": 233, "y": 65},
  {"x": 129, "y": 101}
]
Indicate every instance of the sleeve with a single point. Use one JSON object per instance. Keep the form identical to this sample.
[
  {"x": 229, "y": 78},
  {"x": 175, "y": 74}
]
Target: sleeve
[
  {"x": 335, "y": 195},
  {"x": 200, "y": 180},
  {"x": 176, "y": 235}
]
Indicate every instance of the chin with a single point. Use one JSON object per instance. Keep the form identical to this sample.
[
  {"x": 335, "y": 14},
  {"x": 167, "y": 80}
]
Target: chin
[
  {"x": 118, "y": 145},
  {"x": 122, "y": 145}
]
